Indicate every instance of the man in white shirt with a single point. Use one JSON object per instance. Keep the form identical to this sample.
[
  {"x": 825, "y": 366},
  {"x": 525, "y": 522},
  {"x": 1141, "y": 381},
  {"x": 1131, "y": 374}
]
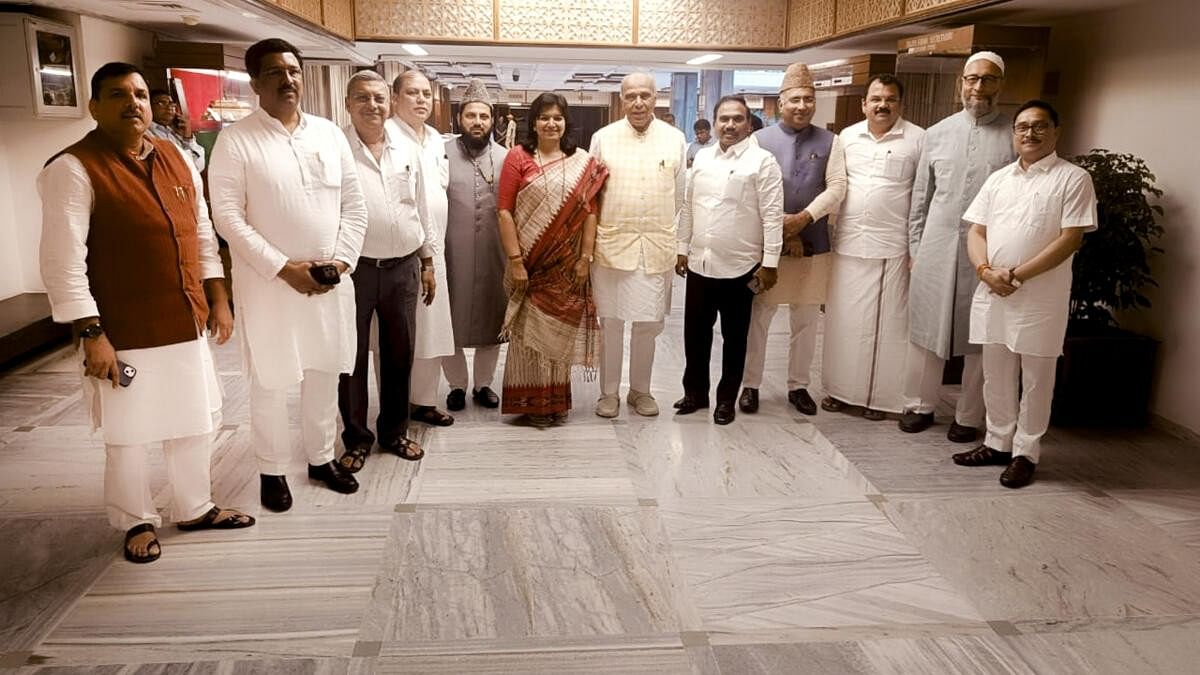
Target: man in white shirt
[
  {"x": 1026, "y": 224},
  {"x": 703, "y": 130},
  {"x": 396, "y": 256},
  {"x": 814, "y": 183},
  {"x": 412, "y": 103},
  {"x": 169, "y": 125},
  {"x": 635, "y": 241},
  {"x": 125, "y": 238},
  {"x": 286, "y": 197},
  {"x": 866, "y": 310},
  {"x": 729, "y": 240}
]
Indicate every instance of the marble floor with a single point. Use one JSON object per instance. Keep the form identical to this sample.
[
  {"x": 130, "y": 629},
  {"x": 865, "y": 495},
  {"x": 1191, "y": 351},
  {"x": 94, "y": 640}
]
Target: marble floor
[{"x": 779, "y": 544}]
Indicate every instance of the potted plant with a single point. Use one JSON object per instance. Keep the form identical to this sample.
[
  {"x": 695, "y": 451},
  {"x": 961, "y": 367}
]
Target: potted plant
[{"x": 1106, "y": 373}]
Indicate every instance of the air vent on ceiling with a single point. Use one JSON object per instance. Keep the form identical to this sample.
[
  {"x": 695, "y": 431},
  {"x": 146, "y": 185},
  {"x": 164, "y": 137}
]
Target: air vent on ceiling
[{"x": 155, "y": 6}]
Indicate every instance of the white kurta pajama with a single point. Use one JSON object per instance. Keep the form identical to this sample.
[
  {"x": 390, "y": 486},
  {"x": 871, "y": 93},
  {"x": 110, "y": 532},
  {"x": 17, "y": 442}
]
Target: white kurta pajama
[
  {"x": 175, "y": 398},
  {"x": 435, "y": 330},
  {"x": 280, "y": 196},
  {"x": 635, "y": 243},
  {"x": 866, "y": 311},
  {"x": 1024, "y": 211}
]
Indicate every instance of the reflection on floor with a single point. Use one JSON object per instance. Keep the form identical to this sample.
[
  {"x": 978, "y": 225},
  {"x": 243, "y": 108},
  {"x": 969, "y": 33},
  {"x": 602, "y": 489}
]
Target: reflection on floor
[{"x": 778, "y": 544}]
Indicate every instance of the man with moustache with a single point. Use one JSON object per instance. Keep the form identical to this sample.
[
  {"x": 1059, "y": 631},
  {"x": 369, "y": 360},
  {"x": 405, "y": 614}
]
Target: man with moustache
[
  {"x": 1026, "y": 224},
  {"x": 286, "y": 197},
  {"x": 866, "y": 312},
  {"x": 635, "y": 241},
  {"x": 814, "y": 183},
  {"x": 475, "y": 260},
  {"x": 127, "y": 256},
  {"x": 728, "y": 244},
  {"x": 412, "y": 103},
  {"x": 959, "y": 154},
  {"x": 388, "y": 276},
  {"x": 170, "y": 126}
]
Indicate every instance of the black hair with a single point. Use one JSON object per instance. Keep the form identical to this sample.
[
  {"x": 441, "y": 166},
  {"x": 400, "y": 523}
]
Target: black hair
[
  {"x": 756, "y": 122},
  {"x": 259, "y": 50},
  {"x": 109, "y": 71},
  {"x": 727, "y": 99},
  {"x": 155, "y": 93},
  {"x": 887, "y": 80},
  {"x": 542, "y": 102},
  {"x": 702, "y": 125},
  {"x": 1040, "y": 104}
]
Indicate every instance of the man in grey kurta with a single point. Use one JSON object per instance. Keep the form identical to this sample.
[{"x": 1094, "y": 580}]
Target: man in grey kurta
[
  {"x": 960, "y": 152},
  {"x": 475, "y": 262}
]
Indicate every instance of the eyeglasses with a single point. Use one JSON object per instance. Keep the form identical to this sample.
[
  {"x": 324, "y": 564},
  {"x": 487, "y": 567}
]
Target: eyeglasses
[
  {"x": 1038, "y": 129},
  {"x": 989, "y": 80}
]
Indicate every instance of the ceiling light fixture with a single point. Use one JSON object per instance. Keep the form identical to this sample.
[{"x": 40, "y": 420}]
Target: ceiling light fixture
[
  {"x": 706, "y": 58},
  {"x": 251, "y": 15},
  {"x": 414, "y": 50}
]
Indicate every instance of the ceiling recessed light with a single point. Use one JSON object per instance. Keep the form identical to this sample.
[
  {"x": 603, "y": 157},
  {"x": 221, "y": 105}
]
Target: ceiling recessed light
[
  {"x": 415, "y": 50},
  {"x": 251, "y": 15},
  {"x": 706, "y": 58}
]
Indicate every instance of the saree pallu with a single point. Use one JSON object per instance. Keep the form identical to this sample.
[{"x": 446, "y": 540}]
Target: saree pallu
[{"x": 551, "y": 325}]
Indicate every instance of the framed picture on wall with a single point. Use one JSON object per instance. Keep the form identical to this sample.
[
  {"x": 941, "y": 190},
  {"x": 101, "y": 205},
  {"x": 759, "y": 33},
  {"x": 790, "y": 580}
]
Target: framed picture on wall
[{"x": 54, "y": 58}]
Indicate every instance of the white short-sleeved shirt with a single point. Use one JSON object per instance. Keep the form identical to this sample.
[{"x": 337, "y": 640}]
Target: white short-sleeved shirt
[{"x": 1024, "y": 210}]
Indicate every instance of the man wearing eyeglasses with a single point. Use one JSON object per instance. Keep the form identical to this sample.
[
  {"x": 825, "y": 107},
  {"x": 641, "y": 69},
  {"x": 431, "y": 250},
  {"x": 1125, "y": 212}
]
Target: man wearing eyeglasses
[
  {"x": 1026, "y": 224},
  {"x": 959, "y": 154}
]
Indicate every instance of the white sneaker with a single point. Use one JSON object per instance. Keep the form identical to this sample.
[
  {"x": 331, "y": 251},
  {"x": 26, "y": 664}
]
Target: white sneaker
[
  {"x": 643, "y": 403},
  {"x": 608, "y": 406}
]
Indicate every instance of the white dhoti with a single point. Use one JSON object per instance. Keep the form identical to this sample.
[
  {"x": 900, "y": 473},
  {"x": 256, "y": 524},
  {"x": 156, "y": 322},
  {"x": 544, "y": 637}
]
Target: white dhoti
[
  {"x": 638, "y": 297},
  {"x": 923, "y": 384},
  {"x": 1007, "y": 377},
  {"x": 866, "y": 332}
]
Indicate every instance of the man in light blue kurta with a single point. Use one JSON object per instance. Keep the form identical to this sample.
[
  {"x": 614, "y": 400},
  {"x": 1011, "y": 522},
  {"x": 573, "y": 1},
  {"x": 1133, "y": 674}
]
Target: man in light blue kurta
[{"x": 960, "y": 152}]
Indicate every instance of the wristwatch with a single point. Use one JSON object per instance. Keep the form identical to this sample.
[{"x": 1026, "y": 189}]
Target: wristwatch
[{"x": 92, "y": 330}]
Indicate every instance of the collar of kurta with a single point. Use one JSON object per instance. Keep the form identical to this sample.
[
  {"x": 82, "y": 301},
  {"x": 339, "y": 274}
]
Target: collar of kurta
[
  {"x": 1043, "y": 165},
  {"x": 146, "y": 151},
  {"x": 275, "y": 124},
  {"x": 981, "y": 121},
  {"x": 389, "y": 137},
  {"x": 735, "y": 150},
  {"x": 649, "y": 127},
  {"x": 405, "y": 129},
  {"x": 896, "y": 130}
]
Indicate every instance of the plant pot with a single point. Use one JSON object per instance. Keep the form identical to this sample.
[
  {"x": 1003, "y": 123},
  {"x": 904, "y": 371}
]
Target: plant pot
[{"x": 1104, "y": 377}]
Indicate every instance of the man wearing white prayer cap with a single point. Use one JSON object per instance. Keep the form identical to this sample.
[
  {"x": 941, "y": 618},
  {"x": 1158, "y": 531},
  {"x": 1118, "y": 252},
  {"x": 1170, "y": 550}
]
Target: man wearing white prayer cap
[{"x": 959, "y": 154}]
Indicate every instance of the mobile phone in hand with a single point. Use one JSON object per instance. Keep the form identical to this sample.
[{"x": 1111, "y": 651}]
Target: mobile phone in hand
[
  {"x": 326, "y": 275},
  {"x": 126, "y": 373},
  {"x": 755, "y": 285}
]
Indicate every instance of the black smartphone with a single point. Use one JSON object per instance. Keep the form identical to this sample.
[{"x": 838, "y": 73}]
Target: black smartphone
[
  {"x": 326, "y": 275},
  {"x": 127, "y": 373}
]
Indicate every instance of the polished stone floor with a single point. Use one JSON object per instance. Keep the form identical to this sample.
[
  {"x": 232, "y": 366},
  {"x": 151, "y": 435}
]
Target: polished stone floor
[{"x": 778, "y": 544}]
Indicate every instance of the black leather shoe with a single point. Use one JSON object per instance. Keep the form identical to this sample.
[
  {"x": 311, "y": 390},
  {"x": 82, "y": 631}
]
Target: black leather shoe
[
  {"x": 274, "y": 493},
  {"x": 456, "y": 399},
  {"x": 748, "y": 402},
  {"x": 485, "y": 397},
  {"x": 915, "y": 422},
  {"x": 1019, "y": 473},
  {"x": 982, "y": 456},
  {"x": 688, "y": 405},
  {"x": 802, "y": 401},
  {"x": 957, "y": 433},
  {"x": 724, "y": 412},
  {"x": 334, "y": 478}
]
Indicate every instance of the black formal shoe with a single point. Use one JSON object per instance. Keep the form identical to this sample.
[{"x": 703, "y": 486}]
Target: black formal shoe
[
  {"x": 456, "y": 399},
  {"x": 274, "y": 493},
  {"x": 982, "y": 456},
  {"x": 957, "y": 433},
  {"x": 1019, "y": 473},
  {"x": 334, "y": 478},
  {"x": 802, "y": 401},
  {"x": 689, "y": 404},
  {"x": 724, "y": 412},
  {"x": 915, "y": 422},
  {"x": 431, "y": 415},
  {"x": 748, "y": 402},
  {"x": 485, "y": 397}
]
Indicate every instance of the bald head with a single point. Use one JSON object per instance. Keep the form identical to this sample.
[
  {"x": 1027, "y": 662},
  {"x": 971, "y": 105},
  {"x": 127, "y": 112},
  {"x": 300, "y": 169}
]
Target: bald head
[{"x": 637, "y": 99}]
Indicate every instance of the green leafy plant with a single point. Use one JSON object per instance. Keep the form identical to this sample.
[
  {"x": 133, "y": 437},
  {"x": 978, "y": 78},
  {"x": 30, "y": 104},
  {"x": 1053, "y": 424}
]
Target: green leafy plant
[{"x": 1113, "y": 266}]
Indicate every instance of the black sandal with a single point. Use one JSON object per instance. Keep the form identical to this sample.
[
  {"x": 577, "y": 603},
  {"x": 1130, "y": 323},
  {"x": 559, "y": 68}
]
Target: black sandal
[
  {"x": 153, "y": 550},
  {"x": 873, "y": 415},
  {"x": 209, "y": 521},
  {"x": 831, "y": 404},
  {"x": 402, "y": 449},
  {"x": 357, "y": 456},
  {"x": 431, "y": 415}
]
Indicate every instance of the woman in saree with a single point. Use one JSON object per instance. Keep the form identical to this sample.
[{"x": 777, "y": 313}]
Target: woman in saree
[{"x": 547, "y": 214}]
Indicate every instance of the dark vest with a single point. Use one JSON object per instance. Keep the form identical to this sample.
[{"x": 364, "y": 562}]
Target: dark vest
[
  {"x": 143, "y": 254},
  {"x": 803, "y": 156}
]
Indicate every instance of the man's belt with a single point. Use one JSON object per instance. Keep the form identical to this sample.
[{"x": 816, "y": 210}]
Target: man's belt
[{"x": 384, "y": 263}]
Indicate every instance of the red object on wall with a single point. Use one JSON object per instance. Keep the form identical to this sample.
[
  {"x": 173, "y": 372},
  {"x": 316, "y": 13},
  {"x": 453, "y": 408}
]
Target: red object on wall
[{"x": 200, "y": 90}]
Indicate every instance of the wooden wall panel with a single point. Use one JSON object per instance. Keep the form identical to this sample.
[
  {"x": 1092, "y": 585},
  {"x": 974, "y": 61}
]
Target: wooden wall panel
[
  {"x": 916, "y": 6},
  {"x": 857, "y": 14},
  {"x": 420, "y": 19},
  {"x": 748, "y": 24},
  {"x": 555, "y": 21},
  {"x": 338, "y": 16},
  {"x": 310, "y": 10},
  {"x": 810, "y": 20}
]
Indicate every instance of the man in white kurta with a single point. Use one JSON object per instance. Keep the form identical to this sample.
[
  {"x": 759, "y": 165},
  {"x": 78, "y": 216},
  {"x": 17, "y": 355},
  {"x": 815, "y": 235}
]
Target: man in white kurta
[
  {"x": 286, "y": 197},
  {"x": 412, "y": 103},
  {"x": 1027, "y": 223},
  {"x": 866, "y": 310},
  {"x": 127, "y": 311},
  {"x": 635, "y": 241}
]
